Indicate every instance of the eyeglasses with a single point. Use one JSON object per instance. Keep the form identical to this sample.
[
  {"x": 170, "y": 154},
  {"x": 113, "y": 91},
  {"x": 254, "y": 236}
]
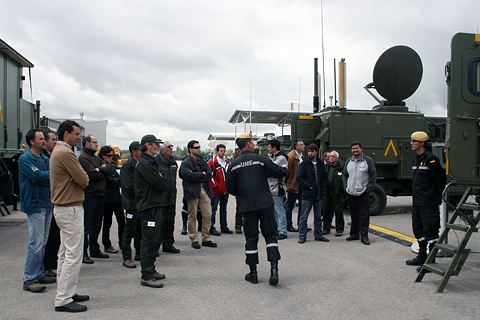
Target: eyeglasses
[
  {"x": 94, "y": 142},
  {"x": 109, "y": 155},
  {"x": 413, "y": 140},
  {"x": 170, "y": 146},
  {"x": 196, "y": 147}
]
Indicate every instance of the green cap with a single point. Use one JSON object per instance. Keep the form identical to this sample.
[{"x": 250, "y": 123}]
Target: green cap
[
  {"x": 134, "y": 146},
  {"x": 149, "y": 138}
]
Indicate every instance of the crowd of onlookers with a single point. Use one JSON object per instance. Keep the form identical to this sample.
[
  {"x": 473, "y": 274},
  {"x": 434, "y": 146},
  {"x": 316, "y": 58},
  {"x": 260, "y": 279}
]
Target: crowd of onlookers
[{"x": 70, "y": 200}]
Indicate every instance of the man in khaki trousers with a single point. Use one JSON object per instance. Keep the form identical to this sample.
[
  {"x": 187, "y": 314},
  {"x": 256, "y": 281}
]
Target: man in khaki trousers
[
  {"x": 196, "y": 174},
  {"x": 67, "y": 180}
]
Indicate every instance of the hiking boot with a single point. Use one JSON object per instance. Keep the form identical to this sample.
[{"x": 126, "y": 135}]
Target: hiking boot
[
  {"x": 151, "y": 283},
  {"x": 158, "y": 276},
  {"x": 47, "y": 280},
  {"x": 34, "y": 287},
  {"x": 129, "y": 263}
]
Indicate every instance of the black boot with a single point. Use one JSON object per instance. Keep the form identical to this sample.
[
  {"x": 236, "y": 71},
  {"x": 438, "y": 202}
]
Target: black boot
[
  {"x": 430, "y": 248},
  {"x": 252, "y": 276},
  {"x": 421, "y": 257},
  {"x": 184, "y": 221},
  {"x": 274, "y": 273}
]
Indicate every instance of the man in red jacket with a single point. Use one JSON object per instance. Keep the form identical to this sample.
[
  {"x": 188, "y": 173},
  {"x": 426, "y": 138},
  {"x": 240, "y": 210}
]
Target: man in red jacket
[{"x": 219, "y": 165}]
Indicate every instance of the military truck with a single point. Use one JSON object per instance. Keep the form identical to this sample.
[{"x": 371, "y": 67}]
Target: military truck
[
  {"x": 384, "y": 131},
  {"x": 17, "y": 115}
]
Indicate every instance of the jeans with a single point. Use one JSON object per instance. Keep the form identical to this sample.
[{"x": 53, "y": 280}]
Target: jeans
[
  {"x": 317, "y": 224},
  {"x": 222, "y": 199},
  {"x": 39, "y": 226},
  {"x": 280, "y": 215},
  {"x": 93, "y": 213}
]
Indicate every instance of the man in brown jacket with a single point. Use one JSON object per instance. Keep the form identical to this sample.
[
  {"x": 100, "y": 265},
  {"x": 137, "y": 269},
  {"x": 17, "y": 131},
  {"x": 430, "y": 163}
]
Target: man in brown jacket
[
  {"x": 295, "y": 157},
  {"x": 67, "y": 180}
]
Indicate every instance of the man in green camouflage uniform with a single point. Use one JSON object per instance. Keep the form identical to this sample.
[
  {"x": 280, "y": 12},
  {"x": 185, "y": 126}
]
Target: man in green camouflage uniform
[
  {"x": 132, "y": 227},
  {"x": 150, "y": 185}
]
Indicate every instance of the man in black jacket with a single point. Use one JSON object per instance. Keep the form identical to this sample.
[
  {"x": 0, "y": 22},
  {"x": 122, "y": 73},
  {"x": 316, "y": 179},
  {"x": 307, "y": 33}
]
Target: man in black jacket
[
  {"x": 428, "y": 182},
  {"x": 333, "y": 200},
  {"x": 196, "y": 174},
  {"x": 247, "y": 178},
  {"x": 150, "y": 185},
  {"x": 94, "y": 202},
  {"x": 133, "y": 229},
  {"x": 312, "y": 179},
  {"x": 168, "y": 167}
]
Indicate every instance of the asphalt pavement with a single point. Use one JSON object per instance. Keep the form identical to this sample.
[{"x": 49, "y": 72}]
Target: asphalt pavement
[{"x": 334, "y": 280}]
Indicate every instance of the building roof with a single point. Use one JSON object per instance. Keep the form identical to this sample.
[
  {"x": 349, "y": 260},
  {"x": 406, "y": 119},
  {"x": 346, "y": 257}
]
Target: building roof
[{"x": 14, "y": 55}]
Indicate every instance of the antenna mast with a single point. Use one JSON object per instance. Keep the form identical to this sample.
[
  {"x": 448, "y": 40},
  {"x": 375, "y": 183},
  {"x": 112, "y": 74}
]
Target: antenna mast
[{"x": 323, "y": 58}]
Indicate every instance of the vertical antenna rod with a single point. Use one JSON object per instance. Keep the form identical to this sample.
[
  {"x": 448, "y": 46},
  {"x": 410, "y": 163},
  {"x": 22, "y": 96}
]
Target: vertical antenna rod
[{"x": 323, "y": 59}]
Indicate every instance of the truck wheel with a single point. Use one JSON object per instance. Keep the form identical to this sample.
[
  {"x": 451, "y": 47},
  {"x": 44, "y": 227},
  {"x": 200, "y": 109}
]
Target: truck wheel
[{"x": 377, "y": 200}]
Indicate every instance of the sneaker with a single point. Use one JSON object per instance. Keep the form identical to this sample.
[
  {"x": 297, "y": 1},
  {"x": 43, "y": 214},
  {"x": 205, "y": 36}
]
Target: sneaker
[
  {"x": 196, "y": 245},
  {"x": 129, "y": 263},
  {"x": 158, "y": 276},
  {"x": 111, "y": 250},
  {"x": 210, "y": 244},
  {"x": 152, "y": 283},
  {"x": 46, "y": 279},
  {"x": 34, "y": 287}
]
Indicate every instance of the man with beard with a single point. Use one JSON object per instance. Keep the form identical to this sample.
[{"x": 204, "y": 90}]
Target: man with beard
[
  {"x": 359, "y": 177},
  {"x": 312, "y": 179}
]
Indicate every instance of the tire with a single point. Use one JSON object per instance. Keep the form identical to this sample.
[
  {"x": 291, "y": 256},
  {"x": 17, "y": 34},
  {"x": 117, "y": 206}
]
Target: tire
[{"x": 377, "y": 200}]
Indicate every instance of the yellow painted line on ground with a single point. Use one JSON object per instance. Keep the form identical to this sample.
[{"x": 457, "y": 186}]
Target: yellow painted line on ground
[{"x": 393, "y": 233}]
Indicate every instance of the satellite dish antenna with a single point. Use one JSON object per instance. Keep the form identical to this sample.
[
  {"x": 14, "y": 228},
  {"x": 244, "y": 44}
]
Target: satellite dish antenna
[{"x": 396, "y": 76}]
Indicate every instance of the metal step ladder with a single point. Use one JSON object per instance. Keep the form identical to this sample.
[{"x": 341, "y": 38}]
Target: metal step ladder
[
  {"x": 3, "y": 208},
  {"x": 462, "y": 211}
]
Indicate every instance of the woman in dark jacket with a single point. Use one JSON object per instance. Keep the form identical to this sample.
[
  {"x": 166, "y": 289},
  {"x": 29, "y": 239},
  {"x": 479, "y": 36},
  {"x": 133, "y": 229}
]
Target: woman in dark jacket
[{"x": 113, "y": 202}]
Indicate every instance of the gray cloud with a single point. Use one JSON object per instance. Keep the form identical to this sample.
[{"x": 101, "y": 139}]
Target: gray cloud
[{"x": 180, "y": 69}]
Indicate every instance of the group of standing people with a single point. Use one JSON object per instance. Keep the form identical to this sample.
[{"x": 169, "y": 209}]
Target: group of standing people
[
  {"x": 322, "y": 184},
  {"x": 69, "y": 196}
]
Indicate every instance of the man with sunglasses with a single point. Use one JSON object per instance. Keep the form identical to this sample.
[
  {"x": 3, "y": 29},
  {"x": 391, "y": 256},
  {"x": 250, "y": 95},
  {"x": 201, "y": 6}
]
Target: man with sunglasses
[
  {"x": 168, "y": 167},
  {"x": 428, "y": 182},
  {"x": 196, "y": 174}
]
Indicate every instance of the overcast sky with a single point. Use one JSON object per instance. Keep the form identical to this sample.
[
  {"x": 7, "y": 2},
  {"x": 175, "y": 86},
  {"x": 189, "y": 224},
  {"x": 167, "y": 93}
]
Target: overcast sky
[{"x": 179, "y": 69}]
